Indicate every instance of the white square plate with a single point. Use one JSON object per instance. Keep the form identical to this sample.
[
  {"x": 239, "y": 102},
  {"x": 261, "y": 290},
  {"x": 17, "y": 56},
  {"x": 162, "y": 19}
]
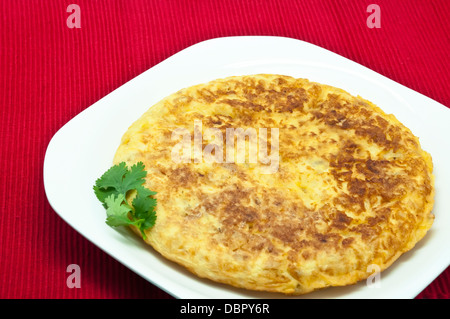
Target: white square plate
[{"x": 83, "y": 149}]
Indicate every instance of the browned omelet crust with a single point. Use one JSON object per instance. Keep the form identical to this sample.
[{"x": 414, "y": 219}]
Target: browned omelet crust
[{"x": 353, "y": 187}]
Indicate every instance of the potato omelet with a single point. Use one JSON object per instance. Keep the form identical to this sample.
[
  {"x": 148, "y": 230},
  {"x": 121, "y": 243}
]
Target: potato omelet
[{"x": 336, "y": 186}]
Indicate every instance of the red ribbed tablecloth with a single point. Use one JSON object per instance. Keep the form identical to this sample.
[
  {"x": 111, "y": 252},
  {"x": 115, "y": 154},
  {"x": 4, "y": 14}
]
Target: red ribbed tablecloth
[{"x": 50, "y": 73}]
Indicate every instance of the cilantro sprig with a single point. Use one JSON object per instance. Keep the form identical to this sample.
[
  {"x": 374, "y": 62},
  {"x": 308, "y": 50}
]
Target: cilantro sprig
[{"x": 115, "y": 186}]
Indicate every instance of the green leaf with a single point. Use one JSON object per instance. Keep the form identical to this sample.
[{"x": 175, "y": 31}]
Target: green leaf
[
  {"x": 111, "y": 190},
  {"x": 144, "y": 208},
  {"x": 119, "y": 180},
  {"x": 134, "y": 178},
  {"x": 143, "y": 191},
  {"x": 113, "y": 177},
  {"x": 102, "y": 194},
  {"x": 117, "y": 211}
]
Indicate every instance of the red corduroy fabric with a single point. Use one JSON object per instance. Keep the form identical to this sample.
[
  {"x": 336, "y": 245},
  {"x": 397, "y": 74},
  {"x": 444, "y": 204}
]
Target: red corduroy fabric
[{"x": 49, "y": 73}]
